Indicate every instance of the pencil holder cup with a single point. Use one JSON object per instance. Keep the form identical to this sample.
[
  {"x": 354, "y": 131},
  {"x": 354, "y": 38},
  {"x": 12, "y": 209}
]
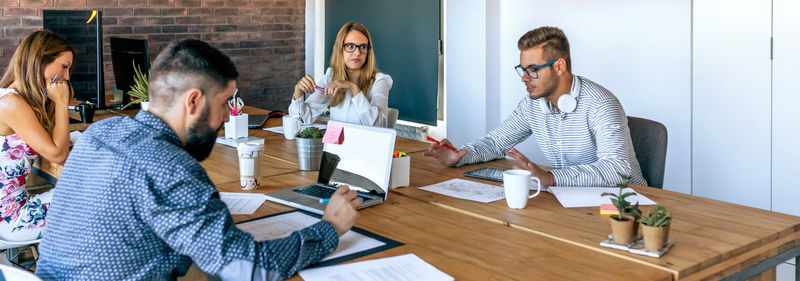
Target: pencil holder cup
[
  {"x": 401, "y": 168},
  {"x": 236, "y": 127}
]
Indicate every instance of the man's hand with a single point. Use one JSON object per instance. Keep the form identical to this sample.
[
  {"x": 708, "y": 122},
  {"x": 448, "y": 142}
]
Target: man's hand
[
  {"x": 523, "y": 163},
  {"x": 341, "y": 211},
  {"x": 444, "y": 155}
]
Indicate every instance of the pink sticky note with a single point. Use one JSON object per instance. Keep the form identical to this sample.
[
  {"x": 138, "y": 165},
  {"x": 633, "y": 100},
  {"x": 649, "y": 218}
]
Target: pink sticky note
[
  {"x": 608, "y": 209},
  {"x": 334, "y": 134}
]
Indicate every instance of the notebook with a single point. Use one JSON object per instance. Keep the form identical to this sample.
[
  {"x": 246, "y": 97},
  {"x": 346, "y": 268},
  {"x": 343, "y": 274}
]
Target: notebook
[
  {"x": 256, "y": 121},
  {"x": 362, "y": 161}
]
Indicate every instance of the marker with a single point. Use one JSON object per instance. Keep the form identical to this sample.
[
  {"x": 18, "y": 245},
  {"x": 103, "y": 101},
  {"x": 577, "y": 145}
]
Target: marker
[
  {"x": 51, "y": 81},
  {"x": 324, "y": 200},
  {"x": 446, "y": 145},
  {"x": 319, "y": 88}
]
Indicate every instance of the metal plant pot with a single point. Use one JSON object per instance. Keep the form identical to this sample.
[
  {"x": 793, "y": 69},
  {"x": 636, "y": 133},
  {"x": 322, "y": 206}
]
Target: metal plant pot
[{"x": 309, "y": 153}]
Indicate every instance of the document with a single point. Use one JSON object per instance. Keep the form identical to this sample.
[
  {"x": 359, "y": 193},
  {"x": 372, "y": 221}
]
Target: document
[
  {"x": 279, "y": 129},
  {"x": 242, "y": 203},
  {"x": 470, "y": 190},
  {"x": 576, "y": 197},
  {"x": 280, "y": 226},
  {"x": 399, "y": 268}
]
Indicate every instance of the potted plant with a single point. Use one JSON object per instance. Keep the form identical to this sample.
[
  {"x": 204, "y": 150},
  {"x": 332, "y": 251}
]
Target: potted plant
[
  {"x": 139, "y": 89},
  {"x": 624, "y": 225},
  {"x": 309, "y": 148},
  {"x": 655, "y": 227}
]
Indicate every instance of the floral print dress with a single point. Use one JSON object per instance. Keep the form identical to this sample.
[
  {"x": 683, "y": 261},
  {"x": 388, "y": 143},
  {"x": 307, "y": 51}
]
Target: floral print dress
[{"x": 21, "y": 215}]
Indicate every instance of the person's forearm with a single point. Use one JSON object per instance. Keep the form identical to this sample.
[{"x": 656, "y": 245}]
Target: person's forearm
[{"x": 61, "y": 133}]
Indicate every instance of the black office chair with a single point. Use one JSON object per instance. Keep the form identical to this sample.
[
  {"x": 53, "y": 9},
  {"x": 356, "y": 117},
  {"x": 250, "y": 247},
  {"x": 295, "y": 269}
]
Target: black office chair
[{"x": 650, "y": 144}]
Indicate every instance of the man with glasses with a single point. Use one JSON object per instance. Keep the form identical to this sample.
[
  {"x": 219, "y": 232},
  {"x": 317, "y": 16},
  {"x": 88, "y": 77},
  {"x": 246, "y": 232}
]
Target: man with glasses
[{"x": 579, "y": 125}]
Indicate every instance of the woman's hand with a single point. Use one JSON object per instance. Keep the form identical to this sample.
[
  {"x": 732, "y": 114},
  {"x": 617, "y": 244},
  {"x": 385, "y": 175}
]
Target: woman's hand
[
  {"x": 58, "y": 92},
  {"x": 341, "y": 85},
  {"x": 305, "y": 85}
]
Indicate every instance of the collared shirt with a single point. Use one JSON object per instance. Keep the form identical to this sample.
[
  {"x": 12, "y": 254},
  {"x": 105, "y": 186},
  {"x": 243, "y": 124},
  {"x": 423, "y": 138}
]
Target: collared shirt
[
  {"x": 590, "y": 146},
  {"x": 368, "y": 108},
  {"x": 132, "y": 204}
]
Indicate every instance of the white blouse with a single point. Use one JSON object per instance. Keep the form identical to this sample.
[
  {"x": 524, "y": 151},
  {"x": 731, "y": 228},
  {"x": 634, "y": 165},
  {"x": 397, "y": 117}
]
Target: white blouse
[{"x": 365, "y": 109}]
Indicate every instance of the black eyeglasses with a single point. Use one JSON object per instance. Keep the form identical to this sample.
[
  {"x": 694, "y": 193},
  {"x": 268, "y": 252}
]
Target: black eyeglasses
[
  {"x": 532, "y": 71},
  {"x": 350, "y": 47}
]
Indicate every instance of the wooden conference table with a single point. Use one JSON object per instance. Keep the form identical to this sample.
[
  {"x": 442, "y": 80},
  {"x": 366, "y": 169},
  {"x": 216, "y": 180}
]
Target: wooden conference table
[{"x": 479, "y": 241}]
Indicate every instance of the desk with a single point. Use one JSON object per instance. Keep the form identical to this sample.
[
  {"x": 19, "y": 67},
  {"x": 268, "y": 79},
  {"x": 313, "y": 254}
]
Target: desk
[
  {"x": 466, "y": 247},
  {"x": 714, "y": 239},
  {"x": 476, "y": 241}
]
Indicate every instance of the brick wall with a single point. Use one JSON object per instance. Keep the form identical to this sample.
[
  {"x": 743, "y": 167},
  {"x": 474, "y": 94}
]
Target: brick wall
[{"x": 264, "y": 38}]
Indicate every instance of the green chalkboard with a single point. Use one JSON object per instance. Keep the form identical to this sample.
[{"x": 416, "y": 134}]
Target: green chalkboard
[{"x": 406, "y": 38}]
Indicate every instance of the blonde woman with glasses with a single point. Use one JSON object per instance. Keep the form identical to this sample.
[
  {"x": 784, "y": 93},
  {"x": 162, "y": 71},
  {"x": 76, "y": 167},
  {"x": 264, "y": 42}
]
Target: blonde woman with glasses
[{"x": 356, "y": 91}]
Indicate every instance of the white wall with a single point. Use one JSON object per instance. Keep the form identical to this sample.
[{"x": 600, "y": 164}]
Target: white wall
[
  {"x": 465, "y": 69},
  {"x": 640, "y": 50},
  {"x": 731, "y": 101}
]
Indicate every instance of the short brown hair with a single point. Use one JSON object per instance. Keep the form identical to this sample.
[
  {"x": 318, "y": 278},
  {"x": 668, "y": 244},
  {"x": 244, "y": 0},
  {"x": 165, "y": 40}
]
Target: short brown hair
[{"x": 552, "y": 40}]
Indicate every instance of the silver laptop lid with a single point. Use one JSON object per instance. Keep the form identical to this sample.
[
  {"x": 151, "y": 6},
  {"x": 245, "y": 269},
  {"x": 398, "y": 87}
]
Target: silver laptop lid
[{"x": 365, "y": 158}]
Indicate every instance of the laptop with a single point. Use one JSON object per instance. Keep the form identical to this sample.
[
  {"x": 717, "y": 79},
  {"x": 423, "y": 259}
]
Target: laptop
[
  {"x": 363, "y": 161},
  {"x": 256, "y": 121}
]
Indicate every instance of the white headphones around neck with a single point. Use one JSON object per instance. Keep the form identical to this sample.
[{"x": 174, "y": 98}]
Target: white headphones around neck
[{"x": 566, "y": 103}]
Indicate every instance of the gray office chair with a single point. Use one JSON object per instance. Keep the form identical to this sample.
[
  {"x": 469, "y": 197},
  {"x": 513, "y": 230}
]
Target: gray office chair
[
  {"x": 650, "y": 144},
  {"x": 391, "y": 118}
]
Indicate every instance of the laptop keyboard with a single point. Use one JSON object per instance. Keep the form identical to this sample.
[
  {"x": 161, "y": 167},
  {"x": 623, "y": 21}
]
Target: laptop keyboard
[{"x": 316, "y": 191}]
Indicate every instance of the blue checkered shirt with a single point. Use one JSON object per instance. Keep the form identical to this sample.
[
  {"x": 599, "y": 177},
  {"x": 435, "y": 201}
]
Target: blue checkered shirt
[{"x": 132, "y": 204}]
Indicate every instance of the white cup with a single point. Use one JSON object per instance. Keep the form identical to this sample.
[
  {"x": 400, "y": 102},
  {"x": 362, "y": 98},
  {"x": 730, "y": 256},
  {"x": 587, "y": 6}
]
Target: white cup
[
  {"x": 517, "y": 186},
  {"x": 291, "y": 126},
  {"x": 248, "y": 164}
]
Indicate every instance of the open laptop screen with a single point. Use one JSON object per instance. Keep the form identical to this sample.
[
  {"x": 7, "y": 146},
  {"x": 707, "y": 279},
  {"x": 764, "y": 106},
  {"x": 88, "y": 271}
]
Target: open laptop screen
[{"x": 365, "y": 158}]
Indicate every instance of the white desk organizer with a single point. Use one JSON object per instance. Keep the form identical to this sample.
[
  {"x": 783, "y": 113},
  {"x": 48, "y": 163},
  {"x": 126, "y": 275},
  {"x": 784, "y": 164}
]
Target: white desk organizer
[
  {"x": 236, "y": 127},
  {"x": 401, "y": 169}
]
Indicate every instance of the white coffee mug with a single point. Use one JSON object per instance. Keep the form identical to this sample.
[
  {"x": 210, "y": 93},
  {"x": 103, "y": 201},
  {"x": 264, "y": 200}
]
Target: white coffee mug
[
  {"x": 517, "y": 186},
  {"x": 291, "y": 126},
  {"x": 249, "y": 163}
]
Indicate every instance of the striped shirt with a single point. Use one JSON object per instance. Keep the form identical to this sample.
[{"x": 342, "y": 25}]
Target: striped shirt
[{"x": 590, "y": 146}]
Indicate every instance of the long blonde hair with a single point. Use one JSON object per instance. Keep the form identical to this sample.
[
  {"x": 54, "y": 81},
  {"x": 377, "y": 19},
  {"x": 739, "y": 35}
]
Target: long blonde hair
[
  {"x": 338, "y": 71},
  {"x": 27, "y": 69}
]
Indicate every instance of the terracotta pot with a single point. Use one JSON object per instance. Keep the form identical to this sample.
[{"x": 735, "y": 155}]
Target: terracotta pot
[
  {"x": 655, "y": 237},
  {"x": 622, "y": 229}
]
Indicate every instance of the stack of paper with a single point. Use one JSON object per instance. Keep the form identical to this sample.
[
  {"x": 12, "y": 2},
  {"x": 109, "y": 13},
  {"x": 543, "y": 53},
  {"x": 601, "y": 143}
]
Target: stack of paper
[
  {"x": 399, "y": 268},
  {"x": 575, "y": 197},
  {"x": 469, "y": 190},
  {"x": 242, "y": 203},
  {"x": 279, "y": 129}
]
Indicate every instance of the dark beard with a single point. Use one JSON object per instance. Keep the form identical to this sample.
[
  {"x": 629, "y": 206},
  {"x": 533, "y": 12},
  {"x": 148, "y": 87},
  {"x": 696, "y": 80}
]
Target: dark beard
[{"x": 201, "y": 138}]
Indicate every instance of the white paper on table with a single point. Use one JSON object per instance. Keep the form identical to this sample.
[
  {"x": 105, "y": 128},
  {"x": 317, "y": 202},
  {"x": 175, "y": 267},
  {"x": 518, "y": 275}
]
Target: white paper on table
[
  {"x": 279, "y": 129},
  {"x": 470, "y": 190},
  {"x": 242, "y": 203},
  {"x": 398, "y": 268},
  {"x": 575, "y": 197},
  {"x": 280, "y": 226},
  {"x": 74, "y": 136}
]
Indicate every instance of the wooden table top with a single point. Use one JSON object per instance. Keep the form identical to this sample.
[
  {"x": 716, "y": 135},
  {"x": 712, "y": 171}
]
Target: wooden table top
[
  {"x": 713, "y": 238},
  {"x": 466, "y": 247},
  {"x": 478, "y": 241}
]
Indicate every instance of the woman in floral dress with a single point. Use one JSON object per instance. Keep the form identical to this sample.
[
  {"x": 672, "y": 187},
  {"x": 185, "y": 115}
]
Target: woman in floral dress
[{"x": 34, "y": 93}]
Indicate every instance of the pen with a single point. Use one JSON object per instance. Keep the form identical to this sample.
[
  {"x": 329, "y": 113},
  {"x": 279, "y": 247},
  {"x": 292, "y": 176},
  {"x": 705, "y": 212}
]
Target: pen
[
  {"x": 51, "y": 81},
  {"x": 319, "y": 88},
  {"x": 324, "y": 200},
  {"x": 446, "y": 145}
]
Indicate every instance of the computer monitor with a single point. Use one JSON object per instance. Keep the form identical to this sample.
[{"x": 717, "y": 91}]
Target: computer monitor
[
  {"x": 124, "y": 53},
  {"x": 87, "y": 39}
]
